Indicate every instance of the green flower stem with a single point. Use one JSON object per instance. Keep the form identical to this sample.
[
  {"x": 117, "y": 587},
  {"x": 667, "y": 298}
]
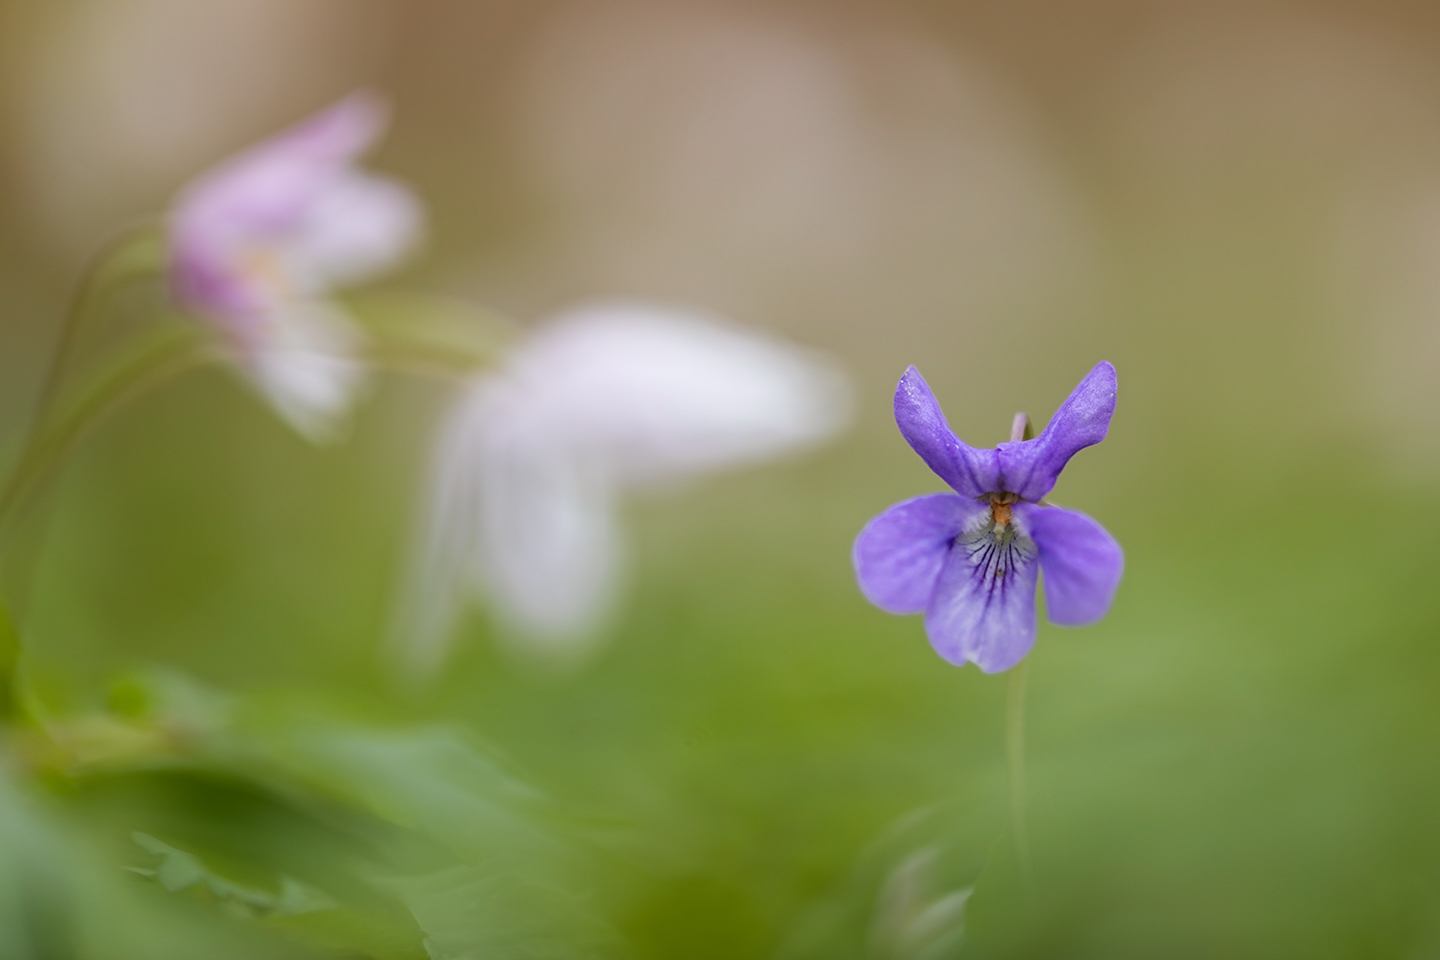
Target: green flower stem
[
  {"x": 136, "y": 255},
  {"x": 424, "y": 362},
  {"x": 432, "y": 337},
  {"x": 1015, "y": 766}
]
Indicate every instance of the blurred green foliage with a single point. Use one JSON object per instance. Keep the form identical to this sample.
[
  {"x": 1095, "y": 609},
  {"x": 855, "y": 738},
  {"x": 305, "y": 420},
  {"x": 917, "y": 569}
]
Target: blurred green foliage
[{"x": 1239, "y": 754}]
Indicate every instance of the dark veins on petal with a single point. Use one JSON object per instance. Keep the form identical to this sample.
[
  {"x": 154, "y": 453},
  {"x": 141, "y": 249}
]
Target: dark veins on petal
[{"x": 995, "y": 552}]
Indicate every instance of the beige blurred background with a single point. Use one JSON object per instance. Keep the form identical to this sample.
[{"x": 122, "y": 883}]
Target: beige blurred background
[
  {"x": 1243, "y": 185},
  {"x": 1248, "y": 183}
]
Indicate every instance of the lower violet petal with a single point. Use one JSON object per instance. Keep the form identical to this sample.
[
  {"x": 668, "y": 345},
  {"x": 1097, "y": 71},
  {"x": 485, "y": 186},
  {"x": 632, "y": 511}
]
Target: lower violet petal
[
  {"x": 899, "y": 554},
  {"x": 1082, "y": 563},
  {"x": 983, "y": 608}
]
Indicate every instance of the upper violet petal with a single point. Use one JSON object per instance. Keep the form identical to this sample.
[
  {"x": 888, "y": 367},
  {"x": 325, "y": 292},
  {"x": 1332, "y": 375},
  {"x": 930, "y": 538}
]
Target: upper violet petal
[
  {"x": 899, "y": 554},
  {"x": 983, "y": 608},
  {"x": 1082, "y": 563},
  {"x": 971, "y": 472},
  {"x": 1030, "y": 468}
]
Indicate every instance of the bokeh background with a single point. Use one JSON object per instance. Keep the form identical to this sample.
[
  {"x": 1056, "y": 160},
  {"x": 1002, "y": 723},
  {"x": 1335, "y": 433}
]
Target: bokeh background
[{"x": 1238, "y": 204}]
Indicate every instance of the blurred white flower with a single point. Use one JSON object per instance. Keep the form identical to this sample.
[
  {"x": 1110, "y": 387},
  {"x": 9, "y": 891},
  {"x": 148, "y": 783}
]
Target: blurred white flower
[
  {"x": 257, "y": 244},
  {"x": 528, "y": 467}
]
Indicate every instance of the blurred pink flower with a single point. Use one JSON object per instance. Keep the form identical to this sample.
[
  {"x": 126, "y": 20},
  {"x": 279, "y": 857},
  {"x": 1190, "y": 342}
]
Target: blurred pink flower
[
  {"x": 257, "y": 244},
  {"x": 531, "y": 464}
]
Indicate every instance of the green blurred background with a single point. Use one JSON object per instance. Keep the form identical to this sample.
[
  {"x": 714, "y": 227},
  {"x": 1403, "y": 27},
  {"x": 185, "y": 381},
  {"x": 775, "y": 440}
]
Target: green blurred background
[{"x": 1238, "y": 204}]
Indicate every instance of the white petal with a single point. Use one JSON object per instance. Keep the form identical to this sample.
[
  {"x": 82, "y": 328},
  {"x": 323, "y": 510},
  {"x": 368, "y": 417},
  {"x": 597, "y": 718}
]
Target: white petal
[
  {"x": 662, "y": 394},
  {"x": 306, "y": 366},
  {"x": 443, "y": 571},
  {"x": 355, "y": 226},
  {"x": 516, "y": 518},
  {"x": 550, "y": 547}
]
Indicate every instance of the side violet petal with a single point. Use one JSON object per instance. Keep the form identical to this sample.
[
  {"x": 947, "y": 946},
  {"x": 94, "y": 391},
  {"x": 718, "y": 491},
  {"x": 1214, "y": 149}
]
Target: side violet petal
[
  {"x": 1031, "y": 467},
  {"x": 899, "y": 554},
  {"x": 1081, "y": 561},
  {"x": 971, "y": 472},
  {"x": 983, "y": 608}
]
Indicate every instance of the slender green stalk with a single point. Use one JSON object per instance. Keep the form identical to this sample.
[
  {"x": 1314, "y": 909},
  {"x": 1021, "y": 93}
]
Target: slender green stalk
[
  {"x": 1015, "y": 766},
  {"x": 46, "y": 450},
  {"x": 136, "y": 254}
]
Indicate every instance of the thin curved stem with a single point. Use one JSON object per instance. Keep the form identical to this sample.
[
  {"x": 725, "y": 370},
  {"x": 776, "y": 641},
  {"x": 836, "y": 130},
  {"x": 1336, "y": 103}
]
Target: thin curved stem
[
  {"x": 133, "y": 255},
  {"x": 136, "y": 254},
  {"x": 428, "y": 364},
  {"x": 168, "y": 358},
  {"x": 47, "y": 450}
]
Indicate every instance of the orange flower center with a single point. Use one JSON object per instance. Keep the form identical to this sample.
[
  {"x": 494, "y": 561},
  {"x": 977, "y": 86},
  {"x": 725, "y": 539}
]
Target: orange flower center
[{"x": 1001, "y": 510}]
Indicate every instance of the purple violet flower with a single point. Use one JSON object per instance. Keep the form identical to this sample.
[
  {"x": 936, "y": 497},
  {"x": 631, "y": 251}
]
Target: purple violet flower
[
  {"x": 969, "y": 560},
  {"x": 257, "y": 243}
]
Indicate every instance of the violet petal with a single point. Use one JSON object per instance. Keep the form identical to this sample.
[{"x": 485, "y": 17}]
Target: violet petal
[
  {"x": 1031, "y": 467},
  {"x": 1082, "y": 563},
  {"x": 899, "y": 554},
  {"x": 983, "y": 608},
  {"x": 971, "y": 472}
]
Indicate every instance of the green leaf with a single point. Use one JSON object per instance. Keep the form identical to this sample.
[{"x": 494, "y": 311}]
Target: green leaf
[
  {"x": 181, "y": 871},
  {"x": 482, "y": 913},
  {"x": 37, "y": 900},
  {"x": 419, "y": 818}
]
